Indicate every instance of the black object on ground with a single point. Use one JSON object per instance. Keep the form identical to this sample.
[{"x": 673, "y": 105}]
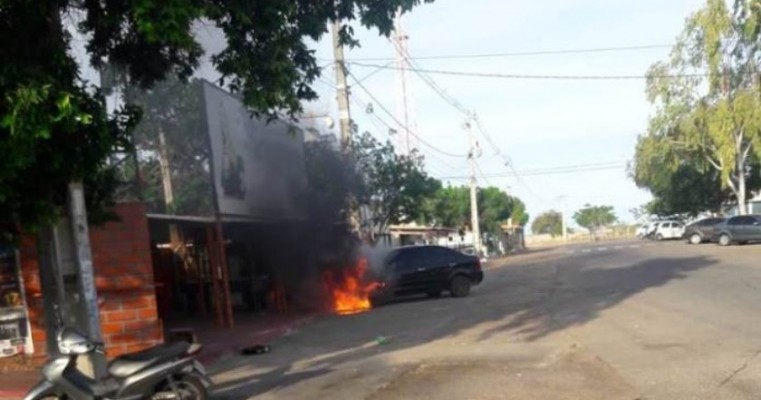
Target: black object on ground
[{"x": 256, "y": 349}]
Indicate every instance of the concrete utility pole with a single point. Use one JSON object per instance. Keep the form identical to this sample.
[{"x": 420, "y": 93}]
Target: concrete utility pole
[
  {"x": 85, "y": 275},
  {"x": 342, "y": 90},
  {"x": 561, "y": 199},
  {"x": 400, "y": 46},
  {"x": 472, "y": 154}
]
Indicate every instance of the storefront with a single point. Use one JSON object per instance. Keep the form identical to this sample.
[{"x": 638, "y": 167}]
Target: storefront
[{"x": 14, "y": 320}]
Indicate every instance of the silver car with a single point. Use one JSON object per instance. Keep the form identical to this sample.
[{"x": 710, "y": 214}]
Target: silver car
[{"x": 740, "y": 229}]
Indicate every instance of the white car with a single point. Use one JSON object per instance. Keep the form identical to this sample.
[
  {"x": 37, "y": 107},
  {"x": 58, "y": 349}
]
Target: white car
[
  {"x": 643, "y": 230},
  {"x": 668, "y": 230}
]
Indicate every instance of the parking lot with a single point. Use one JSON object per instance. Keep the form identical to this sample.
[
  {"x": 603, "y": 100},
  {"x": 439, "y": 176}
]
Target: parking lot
[{"x": 615, "y": 320}]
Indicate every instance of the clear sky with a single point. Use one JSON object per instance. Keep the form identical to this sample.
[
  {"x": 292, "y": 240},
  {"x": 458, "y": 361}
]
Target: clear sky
[{"x": 537, "y": 123}]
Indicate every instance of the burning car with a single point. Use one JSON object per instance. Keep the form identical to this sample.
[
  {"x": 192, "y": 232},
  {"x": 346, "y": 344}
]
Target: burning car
[{"x": 427, "y": 270}]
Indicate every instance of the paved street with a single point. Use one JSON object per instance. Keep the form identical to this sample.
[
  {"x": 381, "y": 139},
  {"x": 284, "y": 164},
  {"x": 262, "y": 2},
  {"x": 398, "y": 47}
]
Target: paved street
[{"x": 622, "y": 320}]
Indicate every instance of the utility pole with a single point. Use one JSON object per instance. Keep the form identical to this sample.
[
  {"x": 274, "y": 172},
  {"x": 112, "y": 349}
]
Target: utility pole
[
  {"x": 342, "y": 90},
  {"x": 344, "y": 117},
  {"x": 561, "y": 199},
  {"x": 472, "y": 154},
  {"x": 85, "y": 276},
  {"x": 400, "y": 47}
]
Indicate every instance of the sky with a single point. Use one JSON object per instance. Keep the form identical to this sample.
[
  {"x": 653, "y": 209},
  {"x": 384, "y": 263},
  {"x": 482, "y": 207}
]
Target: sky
[{"x": 537, "y": 123}]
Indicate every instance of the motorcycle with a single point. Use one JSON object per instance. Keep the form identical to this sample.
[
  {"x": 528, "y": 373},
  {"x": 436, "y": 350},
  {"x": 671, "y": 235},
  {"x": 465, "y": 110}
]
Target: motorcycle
[{"x": 168, "y": 371}]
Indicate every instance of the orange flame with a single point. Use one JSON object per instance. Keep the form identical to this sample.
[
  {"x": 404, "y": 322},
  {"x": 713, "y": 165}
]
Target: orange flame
[{"x": 349, "y": 289}]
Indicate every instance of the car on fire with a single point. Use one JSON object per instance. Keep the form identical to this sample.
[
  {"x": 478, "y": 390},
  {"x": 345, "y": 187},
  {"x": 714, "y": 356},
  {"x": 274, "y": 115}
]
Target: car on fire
[{"x": 431, "y": 270}]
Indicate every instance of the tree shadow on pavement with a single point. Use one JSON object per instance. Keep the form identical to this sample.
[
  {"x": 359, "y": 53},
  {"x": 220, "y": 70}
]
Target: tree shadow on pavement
[
  {"x": 580, "y": 293},
  {"x": 515, "y": 303}
]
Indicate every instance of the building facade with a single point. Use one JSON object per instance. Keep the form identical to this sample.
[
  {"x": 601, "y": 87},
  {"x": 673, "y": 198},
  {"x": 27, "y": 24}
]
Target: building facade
[{"x": 124, "y": 281}]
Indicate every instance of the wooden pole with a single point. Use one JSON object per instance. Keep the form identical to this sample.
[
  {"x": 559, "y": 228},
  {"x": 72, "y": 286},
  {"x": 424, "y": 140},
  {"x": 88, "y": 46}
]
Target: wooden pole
[
  {"x": 214, "y": 267},
  {"x": 225, "y": 275},
  {"x": 201, "y": 284}
]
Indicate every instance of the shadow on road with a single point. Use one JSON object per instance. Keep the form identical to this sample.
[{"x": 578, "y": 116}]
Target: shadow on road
[
  {"x": 580, "y": 293},
  {"x": 515, "y": 304}
]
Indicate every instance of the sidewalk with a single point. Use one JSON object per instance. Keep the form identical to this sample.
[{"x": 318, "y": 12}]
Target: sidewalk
[
  {"x": 249, "y": 330},
  {"x": 14, "y": 385}
]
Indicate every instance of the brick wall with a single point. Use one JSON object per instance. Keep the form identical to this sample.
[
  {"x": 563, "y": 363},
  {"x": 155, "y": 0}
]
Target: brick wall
[
  {"x": 30, "y": 273},
  {"x": 123, "y": 279}
]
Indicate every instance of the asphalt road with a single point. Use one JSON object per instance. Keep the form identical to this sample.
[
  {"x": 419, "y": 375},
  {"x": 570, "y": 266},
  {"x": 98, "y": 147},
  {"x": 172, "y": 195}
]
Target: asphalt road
[{"x": 623, "y": 320}]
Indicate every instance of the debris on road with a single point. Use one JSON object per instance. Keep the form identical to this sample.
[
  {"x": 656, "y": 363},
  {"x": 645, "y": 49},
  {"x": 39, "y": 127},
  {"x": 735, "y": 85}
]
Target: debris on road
[
  {"x": 381, "y": 340},
  {"x": 256, "y": 349}
]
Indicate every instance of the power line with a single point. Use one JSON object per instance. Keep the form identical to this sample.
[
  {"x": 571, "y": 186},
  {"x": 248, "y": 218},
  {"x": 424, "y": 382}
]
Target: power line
[
  {"x": 377, "y": 119},
  {"x": 430, "y": 82},
  {"x": 385, "y": 110},
  {"x": 469, "y": 114},
  {"x": 553, "y": 171},
  {"x": 526, "y": 53},
  {"x": 529, "y": 76},
  {"x": 427, "y": 156},
  {"x": 481, "y": 173}
]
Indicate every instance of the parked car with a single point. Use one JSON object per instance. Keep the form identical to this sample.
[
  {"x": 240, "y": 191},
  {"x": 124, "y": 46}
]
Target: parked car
[
  {"x": 668, "y": 230},
  {"x": 704, "y": 230},
  {"x": 427, "y": 270},
  {"x": 740, "y": 229}
]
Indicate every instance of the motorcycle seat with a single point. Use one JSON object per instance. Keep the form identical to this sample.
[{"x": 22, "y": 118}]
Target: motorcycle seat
[{"x": 130, "y": 364}]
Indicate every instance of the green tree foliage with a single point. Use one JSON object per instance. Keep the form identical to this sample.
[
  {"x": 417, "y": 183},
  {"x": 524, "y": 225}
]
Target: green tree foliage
[
  {"x": 395, "y": 186},
  {"x": 173, "y": 109},
  {"x": 53, "y": 125},
  {"x": 549, "y": 223},
  {"x": 708, "y": 106},
  {"x": 594, "y": 217},
  {"x": 450, "y": 207}
]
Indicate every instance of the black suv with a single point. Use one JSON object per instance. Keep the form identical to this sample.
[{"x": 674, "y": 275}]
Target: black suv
[
  {"x": 427, "y": 270},
  {"x": 701, "y": 231},
  {"x": 740, "y": 229}
]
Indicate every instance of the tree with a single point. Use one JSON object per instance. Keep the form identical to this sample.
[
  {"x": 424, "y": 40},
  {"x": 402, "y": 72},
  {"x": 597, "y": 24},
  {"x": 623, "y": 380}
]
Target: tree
[
  {"x": 707, "y": 95},
  {"x": 519, "y": 214},
  {"x": 548, "y": 223},
  {"x": 395, "y": 186},
  {"x": 594, "y": 217},
  {"x": 450, "y": 206},
  {"x": 681, "y": 181},
  {"x": 53, "y": 125}
]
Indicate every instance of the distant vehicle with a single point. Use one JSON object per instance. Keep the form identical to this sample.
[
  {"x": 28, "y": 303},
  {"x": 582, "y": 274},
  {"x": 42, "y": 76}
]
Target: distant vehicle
[
  {"x": 703, "y": 230},
  {"x": 427, "y": 270},
  {"x": 668, "y": 230},
  {"x": 740, "y": 229},
  {"x": 644, "y": 230}
]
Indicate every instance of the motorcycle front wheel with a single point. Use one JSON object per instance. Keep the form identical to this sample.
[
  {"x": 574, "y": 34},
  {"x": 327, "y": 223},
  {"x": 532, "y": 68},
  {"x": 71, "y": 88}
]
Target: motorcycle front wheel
[{"x": 186, "y": 387}]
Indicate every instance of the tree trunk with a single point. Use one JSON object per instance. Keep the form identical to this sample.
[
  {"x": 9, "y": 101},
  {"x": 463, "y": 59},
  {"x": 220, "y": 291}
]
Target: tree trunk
[
  {"x": 742, "y": 204},
  {"x": 176, "y": 239}
]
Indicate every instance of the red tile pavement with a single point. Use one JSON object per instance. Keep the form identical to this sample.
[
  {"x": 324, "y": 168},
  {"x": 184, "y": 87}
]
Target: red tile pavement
[
  {"x": 14, "y": 385},
  {"x": 249, "y": 330}
]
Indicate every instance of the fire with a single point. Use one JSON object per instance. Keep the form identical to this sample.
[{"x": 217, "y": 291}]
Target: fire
[{"x": 349, "y": 289}]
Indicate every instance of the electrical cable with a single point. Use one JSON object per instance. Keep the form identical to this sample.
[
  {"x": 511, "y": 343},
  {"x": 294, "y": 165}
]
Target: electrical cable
[
  {"x": 529, "y": 76},
  {"x": 391, "y": 115},
  {"x": 527, "y": 53}
]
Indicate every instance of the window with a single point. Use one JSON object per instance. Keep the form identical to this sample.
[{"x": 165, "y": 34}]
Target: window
[
  {"x": 409, "y": 259},
  {"x": 441, "y": 254},
  {"x": 735, "y": 221}
]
